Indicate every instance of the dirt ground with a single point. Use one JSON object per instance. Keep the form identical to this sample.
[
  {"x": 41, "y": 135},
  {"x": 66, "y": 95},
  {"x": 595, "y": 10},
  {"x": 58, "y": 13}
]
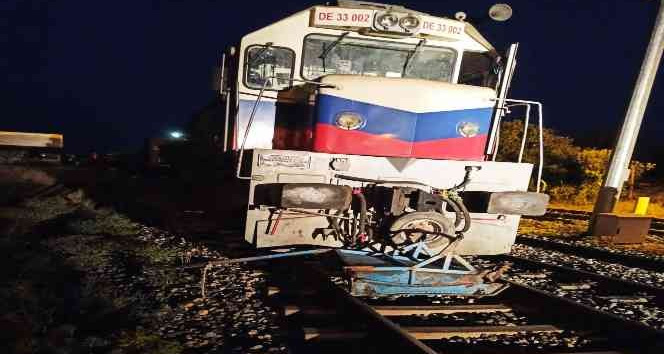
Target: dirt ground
[
  {"x": 64, "y": 267},
  {"x": 652, "y": 190},
  {"x": 81, "y": 276},
  {"x": 575, "y": 229}
]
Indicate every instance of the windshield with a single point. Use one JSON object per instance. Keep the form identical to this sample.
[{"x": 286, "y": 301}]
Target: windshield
[{"x": 375, "y": 58}]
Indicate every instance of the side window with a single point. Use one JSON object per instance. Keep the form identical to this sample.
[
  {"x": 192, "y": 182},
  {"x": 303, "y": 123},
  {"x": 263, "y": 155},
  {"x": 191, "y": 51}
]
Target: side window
[
  {"x": 478, "y": 69},
  {"x": 269, "y": 66}
]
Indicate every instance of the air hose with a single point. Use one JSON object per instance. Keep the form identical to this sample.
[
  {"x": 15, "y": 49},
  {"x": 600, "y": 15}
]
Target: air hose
[
  {"x": 466, "y": 214},
  {"x": 363, "y": 213},
  {"x": 457, "y": 211}
]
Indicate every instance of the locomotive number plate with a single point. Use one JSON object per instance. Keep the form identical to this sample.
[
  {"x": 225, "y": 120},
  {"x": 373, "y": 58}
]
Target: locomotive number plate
[{"x": 341, "y": 17}]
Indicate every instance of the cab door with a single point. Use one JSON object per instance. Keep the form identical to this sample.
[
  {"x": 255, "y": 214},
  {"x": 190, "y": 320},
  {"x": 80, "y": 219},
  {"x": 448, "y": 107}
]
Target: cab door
[{"x": 503, "y": 87}]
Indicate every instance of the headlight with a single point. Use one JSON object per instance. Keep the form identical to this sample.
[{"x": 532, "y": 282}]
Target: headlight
[
  {"x": 349, "y": 121},
  {"x": 468, "y": 129},
  {"x": 409, "y": 22},
  {"x": 387, "y": 20}
]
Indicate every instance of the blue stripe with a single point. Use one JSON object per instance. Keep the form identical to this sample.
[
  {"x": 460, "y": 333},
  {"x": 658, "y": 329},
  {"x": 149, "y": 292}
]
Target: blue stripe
[
  {"x": 440, "y": 125},
  {"x": 403, "y": 125}
]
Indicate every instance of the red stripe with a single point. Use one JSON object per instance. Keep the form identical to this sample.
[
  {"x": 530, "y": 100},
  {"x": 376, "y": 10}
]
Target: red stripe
[
  {"x": 331, "y": 139},
  {"x": 452, "y": 148}
]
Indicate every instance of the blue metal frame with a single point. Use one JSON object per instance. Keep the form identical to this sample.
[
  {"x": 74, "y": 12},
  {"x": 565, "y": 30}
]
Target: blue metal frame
[
  {"x": 377, "y": 273},
  {"x": 400, "y": 275}
]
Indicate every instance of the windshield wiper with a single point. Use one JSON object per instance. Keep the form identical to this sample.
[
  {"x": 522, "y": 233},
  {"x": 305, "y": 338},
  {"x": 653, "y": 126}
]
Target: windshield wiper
[
  {"x": 260, "y": 53},
  {"x": 329, "y": 48},
  {"x": 411, "y": 54}
]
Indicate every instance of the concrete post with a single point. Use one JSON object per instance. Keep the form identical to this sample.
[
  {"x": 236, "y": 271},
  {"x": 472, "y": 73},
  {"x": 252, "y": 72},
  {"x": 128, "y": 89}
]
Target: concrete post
[{"x": 622, "y": 153}]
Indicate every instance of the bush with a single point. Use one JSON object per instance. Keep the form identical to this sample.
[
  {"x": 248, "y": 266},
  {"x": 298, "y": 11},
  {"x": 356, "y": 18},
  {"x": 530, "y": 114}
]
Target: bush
[
  {"x": 103, "y": 221},
  {"x": 18, "y": 182},
  {"x": 70, "y": 212},
  {"x": 560, "y": 163},
  {"x": 572, "y": 174}
]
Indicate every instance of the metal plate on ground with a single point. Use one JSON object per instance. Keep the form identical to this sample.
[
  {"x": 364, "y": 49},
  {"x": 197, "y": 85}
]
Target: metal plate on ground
[
  {"x": 369, "y": 282},
  {"x": 373, "y": 276}
]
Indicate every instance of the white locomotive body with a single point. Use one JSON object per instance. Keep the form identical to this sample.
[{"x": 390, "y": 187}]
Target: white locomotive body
[{"x": 364, "y": 124}]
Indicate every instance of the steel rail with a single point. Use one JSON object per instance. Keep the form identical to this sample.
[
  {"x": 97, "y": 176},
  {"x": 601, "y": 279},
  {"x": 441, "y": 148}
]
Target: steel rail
[
  {"x": 593, "y": 319},
  {"x": 338, "y": 301},
  {"x": 406, "y": 341},
  {"x": 617, "y": 328}
]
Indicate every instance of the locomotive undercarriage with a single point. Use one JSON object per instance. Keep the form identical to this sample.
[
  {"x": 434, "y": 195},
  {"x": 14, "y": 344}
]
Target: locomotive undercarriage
[
  {"x": 395, "y": 240},
  {"x": 395, "y": 217},
  {"x": 396, "y": 243}
]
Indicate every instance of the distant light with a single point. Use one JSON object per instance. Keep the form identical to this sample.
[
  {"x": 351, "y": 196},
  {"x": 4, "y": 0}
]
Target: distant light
[{"x": 176, "y": 134}]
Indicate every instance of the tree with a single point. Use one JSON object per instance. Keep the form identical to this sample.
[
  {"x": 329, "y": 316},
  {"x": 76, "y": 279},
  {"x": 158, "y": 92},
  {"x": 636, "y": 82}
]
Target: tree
[
  {"x": 574, "y": 174},
  {"x": 560, "y": 163}
]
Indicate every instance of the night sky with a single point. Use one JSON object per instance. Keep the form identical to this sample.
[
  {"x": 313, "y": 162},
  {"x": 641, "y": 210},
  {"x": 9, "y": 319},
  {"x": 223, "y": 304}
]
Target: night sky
[{"x": 108, "y": 74}]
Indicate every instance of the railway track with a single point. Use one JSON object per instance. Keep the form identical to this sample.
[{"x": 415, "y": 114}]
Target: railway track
[
  {"x": 581, "y": 314},
  {"x": 320, "y": 316},
  {"x": 638, "y": 303}
]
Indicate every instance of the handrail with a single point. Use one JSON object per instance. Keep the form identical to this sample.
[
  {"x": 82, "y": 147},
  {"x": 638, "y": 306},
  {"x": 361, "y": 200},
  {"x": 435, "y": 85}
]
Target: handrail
[
  {"x": 526, "y": 123},
  {"x": 523, "y": 139}
]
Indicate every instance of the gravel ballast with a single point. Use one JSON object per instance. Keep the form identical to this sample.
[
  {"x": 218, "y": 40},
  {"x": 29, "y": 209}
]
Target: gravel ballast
[
  {"x": 610, "y": 269},
  {"x": 232, "y": 316}
]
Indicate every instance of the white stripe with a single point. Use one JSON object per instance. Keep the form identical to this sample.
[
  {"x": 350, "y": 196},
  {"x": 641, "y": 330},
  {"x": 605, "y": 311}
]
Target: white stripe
[{"x": 413, "y": 95}]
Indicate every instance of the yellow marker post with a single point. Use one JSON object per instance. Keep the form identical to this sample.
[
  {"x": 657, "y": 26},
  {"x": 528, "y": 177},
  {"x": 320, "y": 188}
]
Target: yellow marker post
[{"x": 642, "y": 206}]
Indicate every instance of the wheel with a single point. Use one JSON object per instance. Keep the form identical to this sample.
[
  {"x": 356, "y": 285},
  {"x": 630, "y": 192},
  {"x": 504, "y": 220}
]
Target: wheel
[{"x": 426, "y": 221}]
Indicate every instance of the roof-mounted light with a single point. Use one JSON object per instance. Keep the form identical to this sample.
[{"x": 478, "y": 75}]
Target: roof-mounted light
[
  {"x": 387, "y": 20},
  {"x": 460, "y": 16},
  {"x": 394, "y": 22},
  {"x": 409, "y": 23}
]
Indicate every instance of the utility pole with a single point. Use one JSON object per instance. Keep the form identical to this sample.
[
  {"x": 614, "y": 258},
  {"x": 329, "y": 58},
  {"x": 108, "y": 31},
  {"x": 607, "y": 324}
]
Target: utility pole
[{"x": 622, "y": 152}]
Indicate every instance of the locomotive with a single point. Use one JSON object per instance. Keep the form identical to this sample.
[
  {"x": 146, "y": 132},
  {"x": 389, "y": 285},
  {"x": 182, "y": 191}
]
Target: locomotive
[{"x": 374, "y": 129}]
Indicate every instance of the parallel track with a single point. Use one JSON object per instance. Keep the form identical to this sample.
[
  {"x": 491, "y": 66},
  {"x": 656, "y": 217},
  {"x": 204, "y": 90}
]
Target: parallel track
[{"x": 611, "y": 288}]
